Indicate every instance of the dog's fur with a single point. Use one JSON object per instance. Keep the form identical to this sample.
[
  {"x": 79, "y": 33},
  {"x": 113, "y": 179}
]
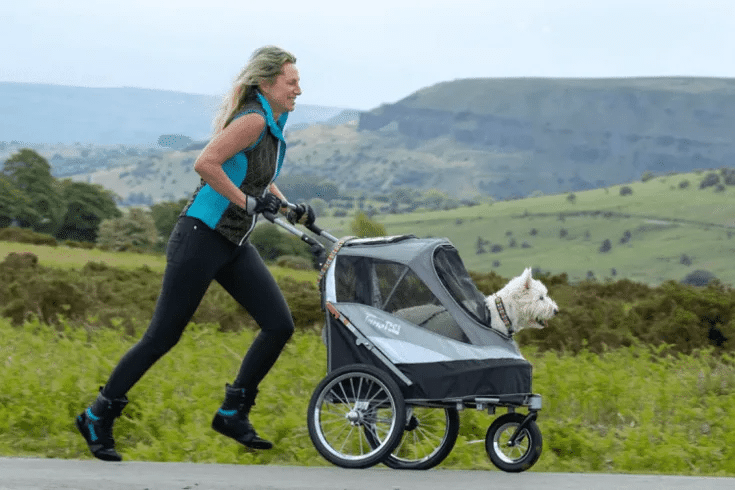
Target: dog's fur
[{"x": 527, "y": 304}]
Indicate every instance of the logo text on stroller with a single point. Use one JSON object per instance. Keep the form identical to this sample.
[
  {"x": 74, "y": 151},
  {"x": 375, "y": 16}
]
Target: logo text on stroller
[{"x": 385, "y": 325}]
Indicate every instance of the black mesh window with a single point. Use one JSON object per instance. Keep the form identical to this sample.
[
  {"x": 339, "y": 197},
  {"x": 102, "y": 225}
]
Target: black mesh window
[
  {"x": 453, "y": 274},
  {"x": 396, "y": 289}
]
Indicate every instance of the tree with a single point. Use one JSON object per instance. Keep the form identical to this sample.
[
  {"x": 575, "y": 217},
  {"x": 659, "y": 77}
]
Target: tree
[
  {"x": 362, "y": 226},
  {"x": 272, "y": 243},
  {"x": 86, "y": 206},
  {"x": 30, "y": 174},
  {"x": 165, "y": 215},
  {"x": 134, "y": 231},
  {"x": 11, "y": 199}
]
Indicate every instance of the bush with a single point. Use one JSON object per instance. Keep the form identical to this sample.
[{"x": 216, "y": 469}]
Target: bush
[
  {"x": 698, "y": 278},
  {"x": 273, "y": 243},
  {"x": 626, "y": 191},
  {"x": 25, "y": 235},
  {"x": 362, "y": 226},
  {"x": 294, "y": 262},
  {"x": 729, "y": 176},
  {"x": 709, "y": 180}
]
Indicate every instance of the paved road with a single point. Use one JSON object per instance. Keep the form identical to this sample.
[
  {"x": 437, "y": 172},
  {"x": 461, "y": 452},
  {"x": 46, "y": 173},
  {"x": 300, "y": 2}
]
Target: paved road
[{"x": 36, "y": 474}]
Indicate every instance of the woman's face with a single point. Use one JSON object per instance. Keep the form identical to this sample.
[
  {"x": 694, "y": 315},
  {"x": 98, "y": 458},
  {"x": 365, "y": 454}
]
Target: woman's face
[{"x": 281, "y": 92}]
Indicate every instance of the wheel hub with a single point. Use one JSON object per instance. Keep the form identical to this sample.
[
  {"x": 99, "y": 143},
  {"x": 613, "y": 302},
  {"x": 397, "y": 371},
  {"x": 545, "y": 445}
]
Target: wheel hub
[{"x": 354, "y": 417}]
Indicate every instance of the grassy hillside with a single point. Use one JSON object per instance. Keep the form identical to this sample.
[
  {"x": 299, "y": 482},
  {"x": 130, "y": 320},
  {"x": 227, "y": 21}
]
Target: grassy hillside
[
  {"x": 673, "y": 231},
  {"x": 666, "y": 223}
]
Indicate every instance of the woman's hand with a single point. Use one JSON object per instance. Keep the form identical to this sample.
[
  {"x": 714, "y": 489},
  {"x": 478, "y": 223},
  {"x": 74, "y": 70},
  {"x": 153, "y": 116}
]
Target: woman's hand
[{"x": 303, "y": 215}]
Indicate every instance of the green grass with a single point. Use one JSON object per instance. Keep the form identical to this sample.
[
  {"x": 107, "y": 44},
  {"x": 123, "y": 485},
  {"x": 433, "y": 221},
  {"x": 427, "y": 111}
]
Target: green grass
[
  {"x": 665, "y": 223},
  {"x": 627, "y": 410},
  {"x": 76, "y": 258}
]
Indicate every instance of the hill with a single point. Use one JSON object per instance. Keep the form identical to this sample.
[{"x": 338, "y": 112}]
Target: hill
[
  {"x": 662, "y": 229},
  {"x": 510, "y": 137},
  {"x": 34, "y": 114},
  {"x": 502, "y": 138}
]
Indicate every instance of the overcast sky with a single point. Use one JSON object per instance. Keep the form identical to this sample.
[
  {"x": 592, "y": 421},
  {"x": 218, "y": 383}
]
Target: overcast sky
[{"x": 364, "y": 53}]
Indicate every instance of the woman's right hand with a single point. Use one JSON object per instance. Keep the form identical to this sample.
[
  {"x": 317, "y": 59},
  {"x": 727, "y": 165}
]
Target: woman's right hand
[{"x": 268, "y": 203}]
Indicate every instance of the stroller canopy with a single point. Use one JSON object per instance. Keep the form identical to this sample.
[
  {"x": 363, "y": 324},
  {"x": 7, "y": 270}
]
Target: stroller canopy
[{"x": 415, "y": 301}]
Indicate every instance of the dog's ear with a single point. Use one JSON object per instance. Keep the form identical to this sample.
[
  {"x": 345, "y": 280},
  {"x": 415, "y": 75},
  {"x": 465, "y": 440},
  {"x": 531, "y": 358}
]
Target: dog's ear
[{"x": 526, "y": 276}]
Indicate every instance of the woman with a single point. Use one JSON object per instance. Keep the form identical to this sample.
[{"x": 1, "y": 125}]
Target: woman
[{"x": 210, "y": 242}]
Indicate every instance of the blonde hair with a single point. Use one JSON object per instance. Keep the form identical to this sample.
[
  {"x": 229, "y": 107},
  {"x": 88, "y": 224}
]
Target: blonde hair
[{"x": 265, "y": 64}]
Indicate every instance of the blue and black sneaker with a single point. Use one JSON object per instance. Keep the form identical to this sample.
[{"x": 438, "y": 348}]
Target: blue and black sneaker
[
  {"x": 95, "y": 425},
  {"x": 232, "y": 419}
]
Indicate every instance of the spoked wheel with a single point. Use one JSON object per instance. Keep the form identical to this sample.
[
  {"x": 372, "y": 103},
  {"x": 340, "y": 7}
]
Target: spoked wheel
[
  {"x": 428, "y": 438},
  {"x": 347, "y": 405},
  {"x": 517, "y": 456}
]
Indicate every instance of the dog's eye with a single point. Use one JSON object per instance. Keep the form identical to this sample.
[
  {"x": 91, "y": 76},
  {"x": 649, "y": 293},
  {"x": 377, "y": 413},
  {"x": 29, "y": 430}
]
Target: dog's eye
[{"x": 541, "y": 298}]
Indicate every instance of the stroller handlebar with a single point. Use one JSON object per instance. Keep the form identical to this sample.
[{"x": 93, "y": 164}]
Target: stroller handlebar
[{"x": 295, "y": 231}]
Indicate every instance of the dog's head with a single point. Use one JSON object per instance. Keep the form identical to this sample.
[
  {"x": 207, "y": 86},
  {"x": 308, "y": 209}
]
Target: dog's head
[{"x": 526, "y": 301}]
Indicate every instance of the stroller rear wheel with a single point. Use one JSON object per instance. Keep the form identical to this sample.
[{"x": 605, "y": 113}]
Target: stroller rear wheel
[
  {"x": 428, "y": 438},
  {"x": 511, "y": 455},
  {"x": 352, "y": 406}
]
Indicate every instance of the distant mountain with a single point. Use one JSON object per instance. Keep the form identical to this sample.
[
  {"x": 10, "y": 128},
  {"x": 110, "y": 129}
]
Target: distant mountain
[
  {"x": 504, "y": 138},
  {"x": 49, "y": 114},
  {"x": 516, "y": 136}
]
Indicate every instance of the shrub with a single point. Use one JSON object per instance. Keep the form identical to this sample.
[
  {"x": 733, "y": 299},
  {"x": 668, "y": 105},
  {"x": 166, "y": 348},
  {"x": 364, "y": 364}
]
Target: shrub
[
  {"x": 698, "y": 278},
  {"x": 294, "y": 262},
  {"x": 709, "y": 180},
  {"x": 25, "y": 235},
  {"x": 20, "y": 260},
  {"x": 606, "y": 246},
  {"x": 626, "y": 190},
  {"x": 272, "y": 243}
]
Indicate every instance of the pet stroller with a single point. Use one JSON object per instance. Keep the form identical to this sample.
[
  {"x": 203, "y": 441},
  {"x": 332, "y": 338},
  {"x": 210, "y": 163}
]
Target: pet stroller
[{"x": 409, "y": 345}]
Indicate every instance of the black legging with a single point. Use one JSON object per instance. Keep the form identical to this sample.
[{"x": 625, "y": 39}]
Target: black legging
[{"x": 195, "y": 256}]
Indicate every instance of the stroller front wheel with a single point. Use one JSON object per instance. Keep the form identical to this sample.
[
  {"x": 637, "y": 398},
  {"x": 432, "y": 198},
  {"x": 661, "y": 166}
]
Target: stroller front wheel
[
  {"x": 513, "y": 456},
  {"x": 352, "y": 407}
]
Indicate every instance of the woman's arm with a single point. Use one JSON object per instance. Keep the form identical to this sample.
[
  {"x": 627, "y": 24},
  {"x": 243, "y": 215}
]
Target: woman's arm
[{"x": 238, "y": 135}]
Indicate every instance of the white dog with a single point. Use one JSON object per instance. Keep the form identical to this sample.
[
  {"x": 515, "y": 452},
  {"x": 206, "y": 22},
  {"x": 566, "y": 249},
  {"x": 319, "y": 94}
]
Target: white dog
[{"x": 522, "y": 303}]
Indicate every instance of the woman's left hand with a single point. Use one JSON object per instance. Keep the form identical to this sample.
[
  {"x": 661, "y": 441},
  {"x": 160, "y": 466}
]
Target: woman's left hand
[{"x": 303, "y": 215}]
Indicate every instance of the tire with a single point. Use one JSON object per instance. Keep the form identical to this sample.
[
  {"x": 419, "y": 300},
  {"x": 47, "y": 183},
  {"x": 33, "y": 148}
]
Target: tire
[
  {"x": 428, "y": 438},
  {"x": 523, "y": 454},
  {"x": 349, "y": 403}
]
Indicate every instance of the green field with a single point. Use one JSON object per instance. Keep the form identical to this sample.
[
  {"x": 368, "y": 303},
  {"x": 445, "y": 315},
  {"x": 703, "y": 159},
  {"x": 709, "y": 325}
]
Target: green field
[
  {"x": 628, "y": 410},
  {"x": 76, "y": 258},
  {"x": 665, "y": 223}
]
